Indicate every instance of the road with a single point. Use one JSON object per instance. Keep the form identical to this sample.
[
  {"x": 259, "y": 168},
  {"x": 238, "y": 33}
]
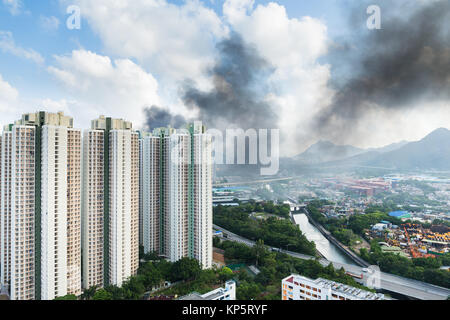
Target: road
[
  {"x": 243, "y": 183},
  {"x": 407, "y": 287}
]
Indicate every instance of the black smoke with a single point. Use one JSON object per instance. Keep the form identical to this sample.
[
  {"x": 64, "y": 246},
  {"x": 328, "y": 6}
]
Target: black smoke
[
  {"x": 237, "y": 99},
  {"x": 158, "y": 118},
  {"x": 240, "y": 83},
  {"x": 406, "y": 62}
]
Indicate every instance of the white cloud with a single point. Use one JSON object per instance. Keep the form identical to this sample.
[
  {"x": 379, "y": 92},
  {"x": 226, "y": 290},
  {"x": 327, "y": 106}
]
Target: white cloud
[
  {"x": 173, "y": 41},
  {"x": 293, "y": 47},
  {"x": 285, "y": 42},
  {"x": 13, "y": 105},
  {"x": 118, "y": 88},
  {"x": 236, "y": 10},
  {"x": 383, "y": 126},
  {"x": 49, "y": 23},
  {"x": 7, "y": 44},
  {"x": 176, "y": 42},
  {"x": 8, "y": 101},
  {"x": 14, "y": 6},
  {"x": 7, "y": 92}
]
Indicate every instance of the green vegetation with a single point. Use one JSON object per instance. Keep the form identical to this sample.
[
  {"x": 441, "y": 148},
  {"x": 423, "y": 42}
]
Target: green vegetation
[
  {"x": 422, "y": 269},
  {"x": 426, "y": 270},
  {"x": 280, "y": 233},
  {"x": 349, "y": 229},
  {"x": 68, "y": 297},
  {"x": 186, "y": 274},
  {"x": 274, "y": 267},
  {"x": 102, "y": 294}
]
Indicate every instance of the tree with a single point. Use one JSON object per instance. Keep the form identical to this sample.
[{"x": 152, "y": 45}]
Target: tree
[
  {"x": 225, "y": 274},
  {"x": 248, "y": 291},
  {"x": 208, "y": 276},
  {"x": 68, "y": 297},
  {"x": 185, "y": 269},
  {"x": 216, "y": 242},
  {"x": 260, "y": 251},
  {"x": 89, "y": 293},
  {"x": 243, "y": 275},
  {"x": 134, "y": 288},
  {"x": 102, "y": 294},
  {"x": 116, "y": 292}
]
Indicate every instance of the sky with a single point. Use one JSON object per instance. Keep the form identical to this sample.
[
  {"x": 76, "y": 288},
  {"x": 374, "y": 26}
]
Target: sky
[{"x": 327, "y": 76}]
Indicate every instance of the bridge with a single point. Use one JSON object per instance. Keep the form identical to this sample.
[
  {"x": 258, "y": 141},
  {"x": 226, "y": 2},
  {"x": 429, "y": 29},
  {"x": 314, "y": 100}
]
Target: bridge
[{"x": 389, "y": 282}]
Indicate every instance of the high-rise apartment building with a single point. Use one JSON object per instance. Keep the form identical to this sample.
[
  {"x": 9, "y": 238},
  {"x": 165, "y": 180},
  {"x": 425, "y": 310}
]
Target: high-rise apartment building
[
  {"x": 201, "y": 184},
  {"x": 141, "y": 200},
  {"x": 151, "y": 181},
  {"x": 177, "y": 193},
  {"x": 93, "y": 207},
  {"x": 71, "y": 211},
  {"x": 40, "y": 207},
  {"x": 110, "y": 214}
]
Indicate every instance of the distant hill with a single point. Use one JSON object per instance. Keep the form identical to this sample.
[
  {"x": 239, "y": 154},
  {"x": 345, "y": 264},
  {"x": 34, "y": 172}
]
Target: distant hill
[
  {"x": 390, "y": 147},
  {"x": 432, "y": 152},
  {"x": 326, "y": 151}
]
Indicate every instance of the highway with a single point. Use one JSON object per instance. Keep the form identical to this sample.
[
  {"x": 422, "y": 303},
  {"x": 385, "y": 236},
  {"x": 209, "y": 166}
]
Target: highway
[
  {"x": 244, "y": 183},
  {"x": 407, "y": 287}
]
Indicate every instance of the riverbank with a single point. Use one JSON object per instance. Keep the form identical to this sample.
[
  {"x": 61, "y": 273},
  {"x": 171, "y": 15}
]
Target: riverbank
[
  {"x": 318, "y": 253},
  {"x": 344, "y": 249}
]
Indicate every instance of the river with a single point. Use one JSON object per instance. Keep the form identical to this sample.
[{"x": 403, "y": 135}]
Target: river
[{"x": 327, "y": 249}]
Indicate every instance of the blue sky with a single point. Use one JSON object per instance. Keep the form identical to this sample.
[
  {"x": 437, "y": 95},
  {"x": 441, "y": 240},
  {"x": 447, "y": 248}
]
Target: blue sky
[{"x": 29, "y": 33}]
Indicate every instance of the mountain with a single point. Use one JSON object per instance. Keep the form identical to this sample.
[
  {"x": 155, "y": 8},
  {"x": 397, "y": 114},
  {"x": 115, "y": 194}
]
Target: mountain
[
  {"x": 390, "y": 147},
  {"x": 326, "y": 151},
  {"x": 432, "y": 152}
]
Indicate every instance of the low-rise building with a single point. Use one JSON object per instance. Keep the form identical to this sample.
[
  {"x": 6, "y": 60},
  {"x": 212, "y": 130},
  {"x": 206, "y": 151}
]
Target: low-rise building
[
  {"x": 297, "y": 287},
  {"x": 228, "y": 293},
  {"x": 379, "y": 227}
]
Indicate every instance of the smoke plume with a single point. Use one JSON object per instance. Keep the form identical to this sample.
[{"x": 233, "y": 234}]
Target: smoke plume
[
  {"x": 240, "y": 82},
  {"x": 158, "y": 117},
  {"x": 406, "y": 62}
]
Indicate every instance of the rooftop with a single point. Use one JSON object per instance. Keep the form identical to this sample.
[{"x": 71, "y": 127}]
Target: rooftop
[
  {"x": 340, "y": 288},
  {"x": 349, "y": 290}
]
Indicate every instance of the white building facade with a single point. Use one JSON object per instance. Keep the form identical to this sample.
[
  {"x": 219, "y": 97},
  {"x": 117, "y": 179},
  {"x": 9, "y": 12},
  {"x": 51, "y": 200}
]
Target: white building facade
[
  {"x": 124, "y": 205},
  {"x": 92, "y": 222},
  {"x": 22, "y": 239},
  {"x": 110, "y": 215},
  {"x": 54, "y": 213},
  {"x": 296, "y": 287},
  {"x": 40, "y": 207}
]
